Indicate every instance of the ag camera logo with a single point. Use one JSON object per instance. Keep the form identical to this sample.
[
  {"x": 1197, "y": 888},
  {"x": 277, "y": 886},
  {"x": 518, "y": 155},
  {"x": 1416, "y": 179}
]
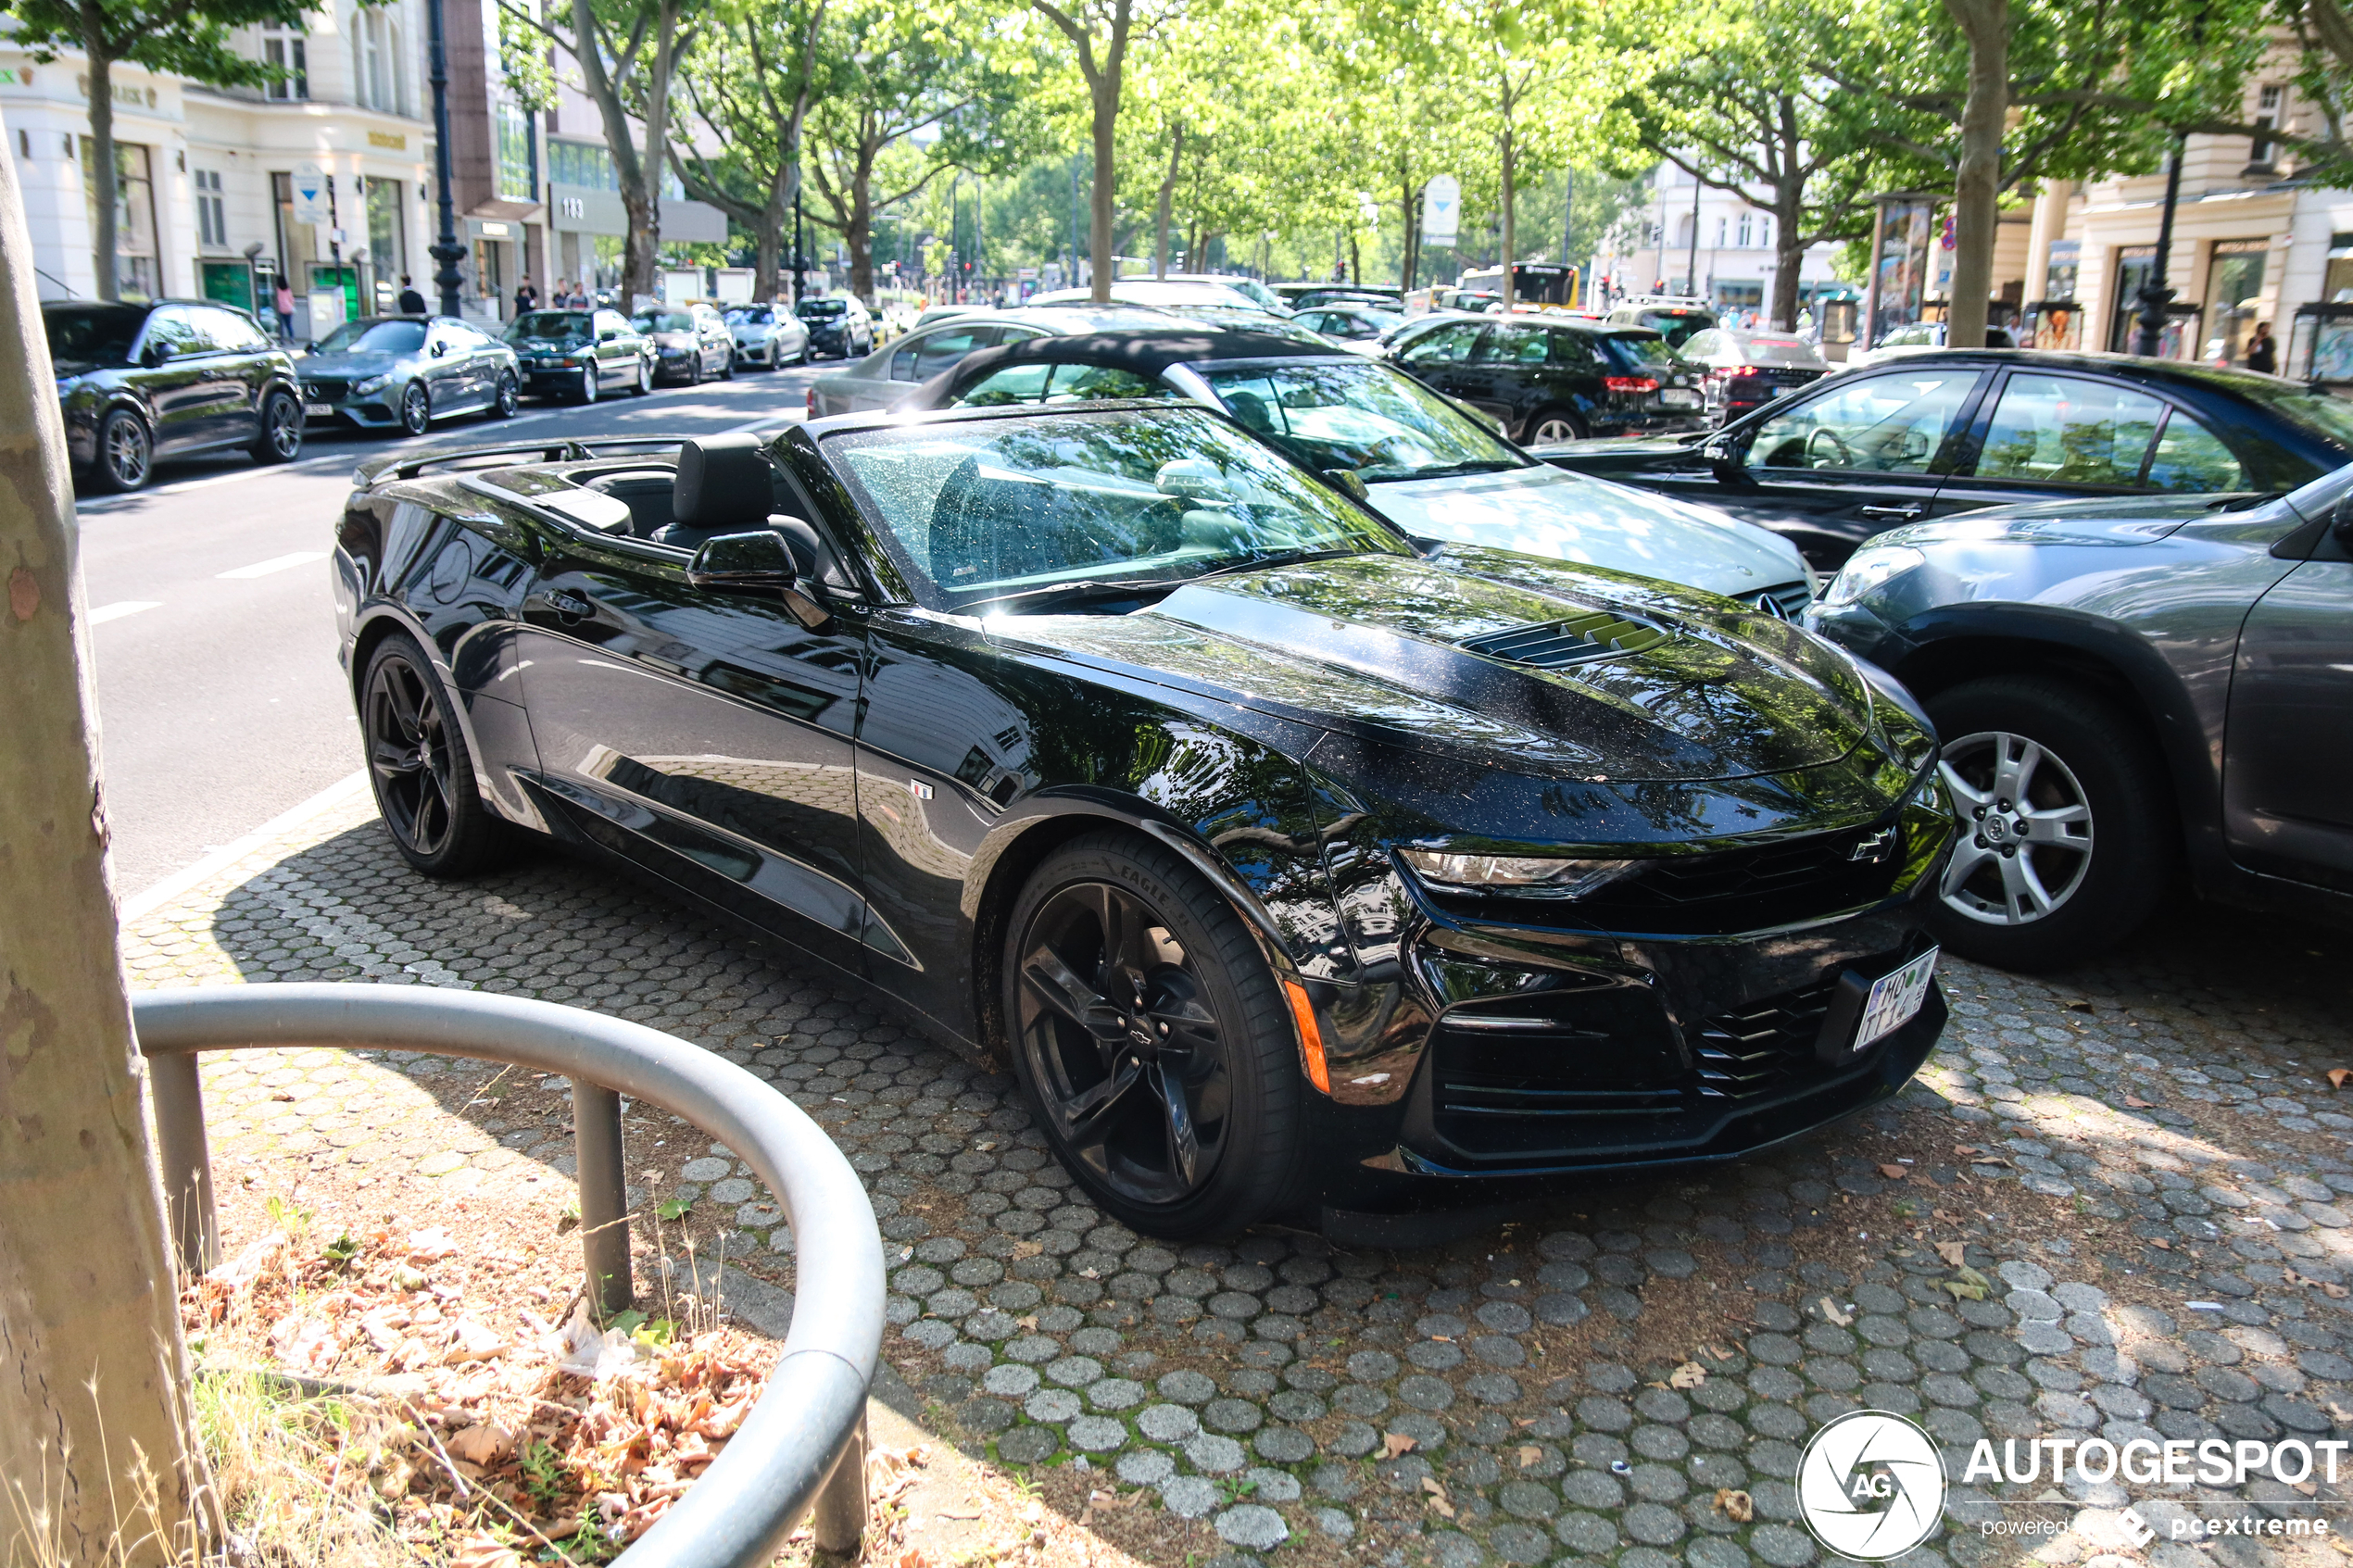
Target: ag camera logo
[{"x": 1871, "y": 1486}]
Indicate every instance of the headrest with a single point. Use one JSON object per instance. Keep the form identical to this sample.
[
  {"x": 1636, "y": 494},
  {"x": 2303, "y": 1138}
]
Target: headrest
[{"x": 723, "y": 483}]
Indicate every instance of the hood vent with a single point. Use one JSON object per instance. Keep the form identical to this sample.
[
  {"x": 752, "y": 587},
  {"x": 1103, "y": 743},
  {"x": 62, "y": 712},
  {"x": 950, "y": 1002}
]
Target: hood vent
[{"x": 1557, "y": 644}]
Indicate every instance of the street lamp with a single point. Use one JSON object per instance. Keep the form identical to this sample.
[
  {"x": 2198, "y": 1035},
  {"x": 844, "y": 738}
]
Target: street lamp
[
  {"x": 2153, "y": 294},
  {"x": 444, "y": 249}
]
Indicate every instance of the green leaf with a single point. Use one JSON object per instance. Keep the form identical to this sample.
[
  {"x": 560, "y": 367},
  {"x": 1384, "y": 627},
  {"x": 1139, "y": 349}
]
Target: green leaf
[{"x": 674, "y": 1208}]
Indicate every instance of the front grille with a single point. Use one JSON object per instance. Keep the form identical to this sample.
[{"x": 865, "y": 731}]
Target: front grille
[
  {"x": 1554, "y": 644},
  {"x": 327, "y": 389},
  {"x": 1763, "y": 1046},
  {"x": 1787, "y": 600}
]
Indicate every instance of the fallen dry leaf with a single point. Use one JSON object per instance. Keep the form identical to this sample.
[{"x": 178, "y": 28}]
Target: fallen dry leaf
[
  {"x": 1530, "y": 1454},
  {"x": 1966, "y": 1149},
  {"x": 1395, "y": 1443},
  {"x": 1951, "y": 1252},
  {"x": 1738, "y": 1507},
  {"x": 2337, "y": 1076},
  {"x": 2137, "y": 1103},
  {"x": 1831, "y": 1312},
  {"x": 1893, "y": 1172},
  {"x": 483, "y": 1444},
  {"x": 1691, "y": 1374},
  {"x": 486, "y": 1552},
  {"x": 1437, "y": 1498}
]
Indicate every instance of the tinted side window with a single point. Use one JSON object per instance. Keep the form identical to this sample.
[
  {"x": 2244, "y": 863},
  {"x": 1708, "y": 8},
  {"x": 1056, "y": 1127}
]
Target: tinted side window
[
  {"x": 1703, "y": 346},
  {"x": 2062, "y": 430},
  {"x": 1880, "y": 424},
  {"x": 1448, "y": 344},
  {"x": 1516, "y": 345},
  {"x": 943, "y": 349},
  {"x": 174, "y": 330},
  {"x": 606, "y": 321},
  {"x": 229, "y": 332},
  {"x": 1574, "y": 351},
  {"x": 2192, "y": 458}
]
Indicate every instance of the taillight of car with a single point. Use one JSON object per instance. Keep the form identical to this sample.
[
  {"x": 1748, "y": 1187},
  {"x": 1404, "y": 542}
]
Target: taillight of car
[
  {"x": 812, "y": 403},
  {"x": 1630, "y": 384}
]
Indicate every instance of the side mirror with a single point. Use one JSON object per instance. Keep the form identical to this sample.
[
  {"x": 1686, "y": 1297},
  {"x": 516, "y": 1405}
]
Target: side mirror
[
  {"x": 1349, "y": 482},
  {"x": 153, "y": 355},
  {"x": 760, "y": 561},
  {"x": 608, "y": 336},
  {"x": 439, "y": 349},
  {"x": 1723, "y": 456}
]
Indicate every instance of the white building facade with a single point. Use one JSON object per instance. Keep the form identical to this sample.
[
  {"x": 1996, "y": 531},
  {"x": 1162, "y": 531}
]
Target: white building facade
[{"x": 1692, "y": 239}]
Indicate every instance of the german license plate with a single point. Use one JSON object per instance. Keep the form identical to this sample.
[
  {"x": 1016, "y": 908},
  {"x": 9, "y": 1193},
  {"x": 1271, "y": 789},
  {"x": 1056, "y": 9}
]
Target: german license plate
[
  {"x": 1678, "y": 397},
  {"x": 1895, "y": 998},
  {"x": 318, "y": 408}
]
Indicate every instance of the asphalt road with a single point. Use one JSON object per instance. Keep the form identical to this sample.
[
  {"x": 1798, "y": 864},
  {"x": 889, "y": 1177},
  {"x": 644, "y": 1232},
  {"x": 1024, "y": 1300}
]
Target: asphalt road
[{"x": 219, "y": 701}]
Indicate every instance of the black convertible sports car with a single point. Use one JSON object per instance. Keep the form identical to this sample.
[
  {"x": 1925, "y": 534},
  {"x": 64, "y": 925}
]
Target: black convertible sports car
[{"x": 1284, "y": 864}]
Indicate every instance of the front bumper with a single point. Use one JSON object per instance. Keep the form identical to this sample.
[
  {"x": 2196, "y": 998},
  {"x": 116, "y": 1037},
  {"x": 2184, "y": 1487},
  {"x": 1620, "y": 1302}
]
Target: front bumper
[
  {"x": 546, "y": 378},
  {"x": 1649, "y": 422}
]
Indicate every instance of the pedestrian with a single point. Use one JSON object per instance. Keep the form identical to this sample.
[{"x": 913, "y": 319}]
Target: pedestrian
[
  {"x": 284, "y": 302},
  {"x": 411, "y": 302},
  {"x": 2262, "y": 352},
  {"x": 526, "y": 297}
]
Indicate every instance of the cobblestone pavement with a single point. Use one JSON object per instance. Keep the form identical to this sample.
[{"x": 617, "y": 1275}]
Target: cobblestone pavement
[{"x": 2145, "y": 1165}]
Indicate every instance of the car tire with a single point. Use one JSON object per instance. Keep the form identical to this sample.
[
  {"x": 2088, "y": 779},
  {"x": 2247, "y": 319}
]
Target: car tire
[
  {"x": 693, "y": 369},
  {"x": 1183, "y": 955},
  {"x": 591, "y": 382},
  {"x": 126, "y": 452},
  {"x": 2030, "y": 898},
  {"x": 280, "y": 437},
  {"x": 727, "y": 368},
  {"x": 421, "y": 768},
  {"x": 645, "y": 378},
  {"x": 1548, "y": 425},
  {"x": 416, "y": 408},
  {"x": 506, "y": 399}
]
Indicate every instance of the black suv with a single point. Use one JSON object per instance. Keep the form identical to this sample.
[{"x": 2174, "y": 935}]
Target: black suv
[
  {"x": 165, "y": 380},
  {"x": 1549, "y": 380}
]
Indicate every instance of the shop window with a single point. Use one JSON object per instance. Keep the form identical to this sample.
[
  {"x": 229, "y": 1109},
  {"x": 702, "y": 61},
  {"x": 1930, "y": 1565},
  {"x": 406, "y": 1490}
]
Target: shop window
[
  {"x": 212, "y": 210},
  {"x": 2133, "y": 265},
  {"x": 2059, "y": 274},
  {"x": 388, "y": 239},
  {"x": 288, "y": 54},
  {"x": 2233, "y": 282},
  {"x": 137, "y": 270},
  {"x": 2336, "y": 283}
]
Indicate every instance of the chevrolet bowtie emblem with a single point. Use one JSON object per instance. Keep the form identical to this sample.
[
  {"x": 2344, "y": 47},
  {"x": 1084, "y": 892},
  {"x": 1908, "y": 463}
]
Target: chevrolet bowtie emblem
[{"x": 1877, "y": 846}]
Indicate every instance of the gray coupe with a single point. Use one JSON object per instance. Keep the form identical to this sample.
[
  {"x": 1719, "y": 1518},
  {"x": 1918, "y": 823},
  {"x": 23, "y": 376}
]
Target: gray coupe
[{"x": 403, "y": 373}]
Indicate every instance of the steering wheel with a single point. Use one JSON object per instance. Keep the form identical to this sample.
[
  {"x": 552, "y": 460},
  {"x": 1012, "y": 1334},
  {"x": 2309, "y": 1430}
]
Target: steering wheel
[{"x": 1845, "y": 459}]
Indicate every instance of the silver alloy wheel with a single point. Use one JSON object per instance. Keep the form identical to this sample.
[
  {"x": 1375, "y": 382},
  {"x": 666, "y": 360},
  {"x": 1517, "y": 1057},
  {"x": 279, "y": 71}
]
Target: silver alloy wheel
[
  {"x": 1552, "y": 430},
  {"x": 416, "y": 408},
  {"x": 284, "y": 426},
  {"x": 2026, "y": 829},
  {"x": 645, "y": 376},
  {"x": 588, "y": 378},
  {"x": 128, "y": 452}
]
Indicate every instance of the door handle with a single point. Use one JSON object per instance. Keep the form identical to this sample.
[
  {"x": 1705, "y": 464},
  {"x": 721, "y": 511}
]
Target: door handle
[
  {"x": 1903, "y": 514},
  {"x": 569, "y": 606}
]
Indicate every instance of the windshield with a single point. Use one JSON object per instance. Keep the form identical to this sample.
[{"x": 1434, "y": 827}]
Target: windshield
[
  {"x": 823, "y": 307},
  {"x": 1634, "y": 353},
  {"x": 1780, "y": 351},
  {"x": 550, "y": 326},
  {"x": 752, "y": 318},
  {"x": 1677, "y": 326},
  {"x": 375, "y": 337},
  {"x": 93, "y": 334},
  {"x": 1365, "y": 416},
  {"x": 979, "y": 511},
  {"x": 663, "y": 321}
]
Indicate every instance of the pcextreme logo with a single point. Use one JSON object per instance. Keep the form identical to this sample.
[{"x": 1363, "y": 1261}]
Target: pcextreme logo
[{"x": 1871, "y": 1486}]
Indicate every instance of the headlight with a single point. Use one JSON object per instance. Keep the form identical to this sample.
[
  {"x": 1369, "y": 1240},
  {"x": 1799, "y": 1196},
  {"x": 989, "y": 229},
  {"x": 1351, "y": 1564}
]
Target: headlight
[
  {"x": 1515, "y": 873},
  {"x": 373, "y": 383},
  {"x": 1868, "y": 568}
]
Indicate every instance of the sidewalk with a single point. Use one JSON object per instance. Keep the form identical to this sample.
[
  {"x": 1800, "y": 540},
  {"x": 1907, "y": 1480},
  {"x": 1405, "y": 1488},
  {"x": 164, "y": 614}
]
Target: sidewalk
[{"x": 2143, "y": 1166}]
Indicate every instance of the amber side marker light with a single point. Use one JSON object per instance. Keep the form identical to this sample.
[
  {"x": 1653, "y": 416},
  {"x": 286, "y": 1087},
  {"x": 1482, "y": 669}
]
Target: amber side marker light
[{"x": 1310, "y": 1039}]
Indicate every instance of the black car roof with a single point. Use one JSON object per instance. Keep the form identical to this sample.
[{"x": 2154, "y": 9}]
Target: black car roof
[
  {"x": 2131, "y": 367},
  {"x": 1145, "y": 350}
]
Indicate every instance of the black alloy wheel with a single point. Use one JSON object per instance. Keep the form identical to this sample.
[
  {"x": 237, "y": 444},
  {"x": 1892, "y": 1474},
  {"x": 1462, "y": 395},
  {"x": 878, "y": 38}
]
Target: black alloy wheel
[
  {"x": 1152, "y": 1039},
  {"x": 591, "y": 375},
  {"x": 504, "y": 402},
  {"x": 416, "y": 408},
  {"x": 126, "y": 451},
  {"x": 280, "y": 437},
  {"x": 420, "y": 768}
]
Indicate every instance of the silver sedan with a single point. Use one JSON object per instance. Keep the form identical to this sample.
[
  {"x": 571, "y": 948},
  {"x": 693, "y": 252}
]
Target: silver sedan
[
  {"x": 768, "y": 337},
  {"x": 403, "y": 373}
]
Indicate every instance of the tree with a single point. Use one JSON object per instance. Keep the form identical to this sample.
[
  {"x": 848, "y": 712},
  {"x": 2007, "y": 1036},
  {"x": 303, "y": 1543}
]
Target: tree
[
  {"x": 1099, "y": 32},
  {"x": 1739, "y": 108},
  {"x": 93, "y": 1376},
  {"x": 628, "y": 53},
  {"x": 178, "y": 37},
  {"x": 750, "y": 86}
]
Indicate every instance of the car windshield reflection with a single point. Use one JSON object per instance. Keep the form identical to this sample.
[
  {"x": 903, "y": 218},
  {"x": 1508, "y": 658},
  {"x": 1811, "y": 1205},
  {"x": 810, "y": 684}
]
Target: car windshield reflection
[
  {"x": 1133, "y": 502},
  {"x": 1339, "y": 414},
  {"x": 375, "y": 337}
]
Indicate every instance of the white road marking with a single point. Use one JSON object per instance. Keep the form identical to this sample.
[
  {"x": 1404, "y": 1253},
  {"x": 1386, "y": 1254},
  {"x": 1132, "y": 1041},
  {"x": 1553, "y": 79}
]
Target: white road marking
[
  {"x": 276, "y": 563},
  {"x": 140, "y": 905},
  {"x": 121, "y": 608}
]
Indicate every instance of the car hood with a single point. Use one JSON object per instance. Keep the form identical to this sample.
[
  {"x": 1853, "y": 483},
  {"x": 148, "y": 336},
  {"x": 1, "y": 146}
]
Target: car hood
[
  {"x": 1677, "y": 687},
  {"x": 548, "y": 345},
  {"x": 1619, "y": 448},
  {"x": 358, "y": 365},
  {"x": 1548, "y": 511},
  {"x": 2113, "y": 520}
]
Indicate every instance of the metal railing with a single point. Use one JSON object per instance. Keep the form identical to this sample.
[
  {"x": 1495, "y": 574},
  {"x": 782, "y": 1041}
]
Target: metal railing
[{"x": 803, "y": 1449}]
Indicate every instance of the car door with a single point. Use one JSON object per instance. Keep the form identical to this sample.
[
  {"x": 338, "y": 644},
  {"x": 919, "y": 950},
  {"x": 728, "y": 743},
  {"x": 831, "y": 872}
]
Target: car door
[
  {"x": 238, "y": 372},
  {"x": 448, "y": 373},
  {"x": 2288, "y": 739},
  {"x": 2041, "y": 437},
  {"x": 1507, "y": 374},
  {"x": 705, "y": 734},
  {"x": 174, "y": 356},
  {"x": 1440, "y": 357},
  {"x": 1856, "y": 456},
  {"x": 618, "y": 351}
]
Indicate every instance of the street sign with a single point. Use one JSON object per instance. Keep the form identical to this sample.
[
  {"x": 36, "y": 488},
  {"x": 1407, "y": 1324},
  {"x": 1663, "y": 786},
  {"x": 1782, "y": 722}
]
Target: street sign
[
  {"x": 310, "y": 204},
  {"x": 1442, "y": 210}
]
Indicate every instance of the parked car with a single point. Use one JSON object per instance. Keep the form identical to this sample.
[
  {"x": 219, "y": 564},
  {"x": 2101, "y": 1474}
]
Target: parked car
[
  {"x": 1167, "y": 294},
  {"x": 403, "y": 373},
  {"x": 2124, "y": 687},
  {"x": 1309, "y": 296},
  {"x": 1933, "y": 433},
  {"x": 1285, "y": 866},
  {"x": 170, "y": 378},
  {"x": 839, "y": 326},
  {"x": 1918, "y": 338},
  {"x": 1352, "y": 326},
  {"x": 1405, "y": 451},
  {"x": 1675, "y": 319},
  {"x": 1258, "y": 294},
  {"x": 1742, "y": 372},
  {"x": 768, "y": 335},
  {"x": 893, "y": 371},
  {"x": 689, "y": 342},
  {"x": 581, "y": 354},
  {"x": 1551, "y": 381}
]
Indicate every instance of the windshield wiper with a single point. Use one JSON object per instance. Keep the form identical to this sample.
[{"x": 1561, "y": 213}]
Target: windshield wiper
[
  {"x": 1075, "y": 593},
  {"x": 1474, "y": 465},
  {"x": 1274, "y": 557}
]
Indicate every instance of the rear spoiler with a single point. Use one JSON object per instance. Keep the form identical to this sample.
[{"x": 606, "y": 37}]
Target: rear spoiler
[{"x": 563, "y": 450}]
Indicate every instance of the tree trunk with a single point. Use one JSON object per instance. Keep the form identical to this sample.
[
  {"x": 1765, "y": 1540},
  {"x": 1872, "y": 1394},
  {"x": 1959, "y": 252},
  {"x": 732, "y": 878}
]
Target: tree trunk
[
  {"x": 1511, "y": 230},
  {"x": 859, "y": 232},
  {"x": 94, "y": 1377},
  {"x": 1104, "y": 202},
  {"x": 107, "y": 202},
  {"x": 1976, "y": 186},
  {"x": 1167, "y": 194},
  {"x": 1789, "y": 255}
]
